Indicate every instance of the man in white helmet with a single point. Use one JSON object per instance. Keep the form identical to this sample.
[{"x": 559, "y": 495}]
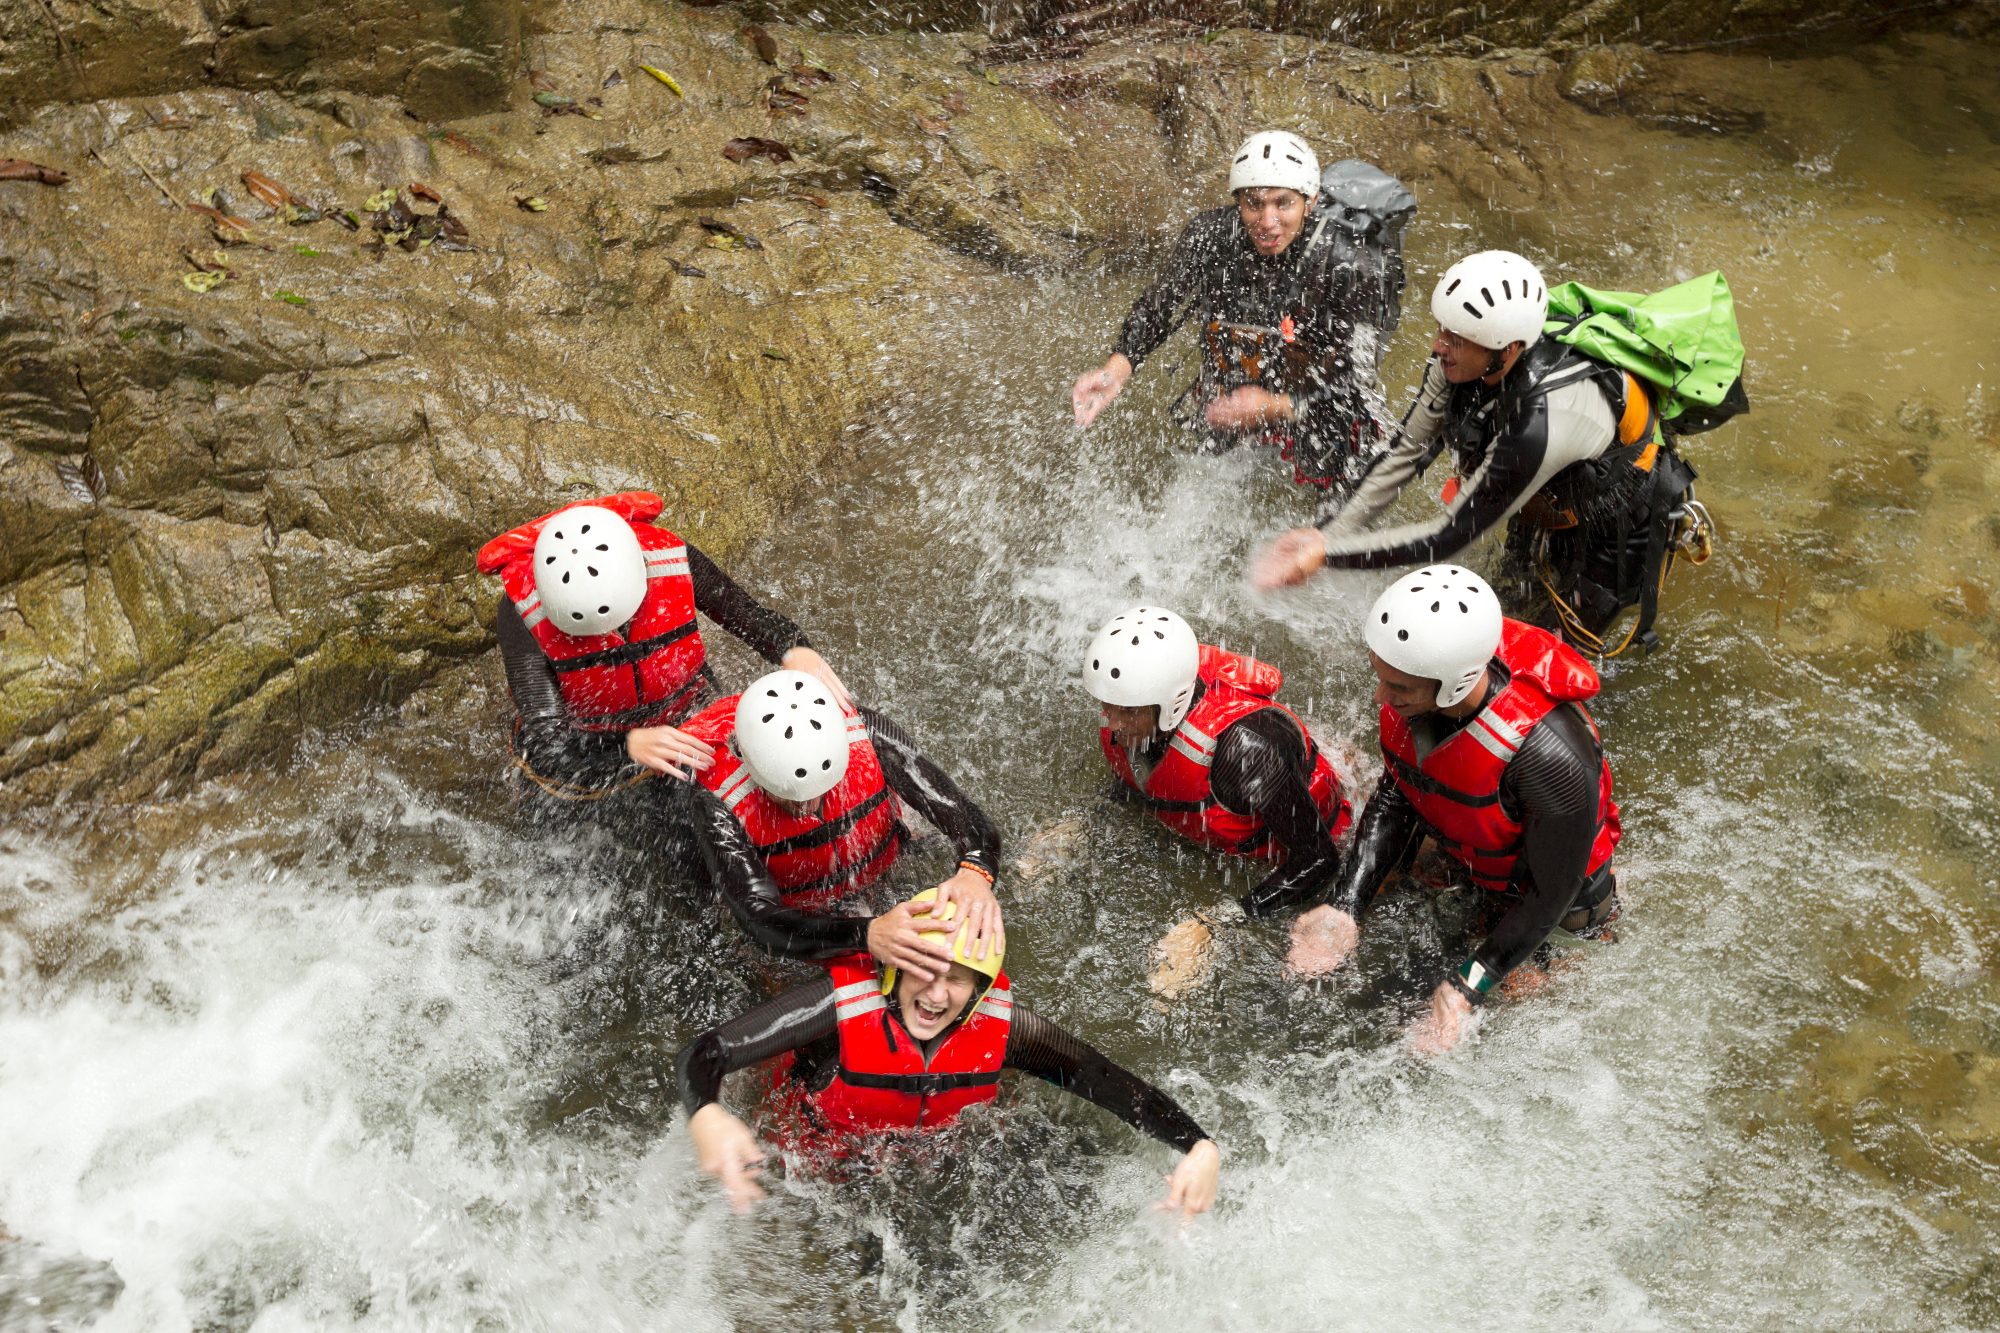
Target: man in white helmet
[
  {"x": 1289, "y": 311},
  {"x": 1490, "y": 753},
  {"x": 1196, "y": 735},
  {"x": 802, "y": 810},
  {"x": 1565, "y": 449}
]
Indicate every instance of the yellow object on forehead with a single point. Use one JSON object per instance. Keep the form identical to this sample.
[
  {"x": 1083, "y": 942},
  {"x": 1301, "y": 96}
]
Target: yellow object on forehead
[{"x": 961, "y": 948}]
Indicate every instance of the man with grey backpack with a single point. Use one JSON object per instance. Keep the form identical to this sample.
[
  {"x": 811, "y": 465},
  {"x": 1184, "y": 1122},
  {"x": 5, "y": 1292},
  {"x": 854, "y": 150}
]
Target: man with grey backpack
[{"x": 1295, "y": 290}]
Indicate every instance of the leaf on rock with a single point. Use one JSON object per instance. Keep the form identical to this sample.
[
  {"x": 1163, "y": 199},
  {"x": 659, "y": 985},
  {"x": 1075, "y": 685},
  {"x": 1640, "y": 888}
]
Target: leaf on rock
[
  {"x": 306, "y": 250},
  {"x": 450, "y": 225},
  {"x": 783, "y": 100},
  {"x": 665, "y": 78},
  {"x": 533, "y": 203},
  {"x": 613, "y": 79},
  {"x": 289, "y": 299},
  {"x": 83, "y": 478},
  {"x": 214, "y": 198},
  {"x": 816, "y": 200},
  {"x": 742, "y": 240},
  {"x": 203, "y": 282},
  {"x": 955, "y": 104},
  {"x": 349, "y": 219},
  {"x": 380, "y": 200},
  {"x": 462, "y": 144},
  {"x": 764, "y": 44},
  {"x": 810, "y": 75},
  {"x": 937, "y": 127},
  {"x": 993, "y": 76},
  {"x": 742, "y": 150},
  {"x": 538, "y": 79},
  {"x": 775, "y": 354},
  {"x": 17, "y": 169},
  {"x": 686, "y": 270},
  {"x": 267, "y": 191},
  {"x": 423, "y": 191},
  {"x": 214, "y": 262}
]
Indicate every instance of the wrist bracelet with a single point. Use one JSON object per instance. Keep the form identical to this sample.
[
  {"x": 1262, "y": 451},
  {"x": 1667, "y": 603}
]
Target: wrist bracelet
[
  {"x": 1472, "y": 997},
  {"x": 1474, "y": 980},
  {"x": 977, "y": 869}
]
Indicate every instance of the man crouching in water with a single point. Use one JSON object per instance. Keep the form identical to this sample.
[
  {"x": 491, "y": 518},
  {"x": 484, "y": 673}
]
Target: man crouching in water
[
  {"x": 866, "y": 1050},
  {"x": 1489, "y": 752},
  {"x": 1289, "y": 337}
]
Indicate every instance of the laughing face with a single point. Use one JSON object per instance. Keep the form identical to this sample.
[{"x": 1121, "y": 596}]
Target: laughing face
[{"x": 929, "y": 1007}]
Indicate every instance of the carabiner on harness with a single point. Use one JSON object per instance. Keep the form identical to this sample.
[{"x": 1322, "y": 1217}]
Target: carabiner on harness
[{"x": 1694, "y": 531}]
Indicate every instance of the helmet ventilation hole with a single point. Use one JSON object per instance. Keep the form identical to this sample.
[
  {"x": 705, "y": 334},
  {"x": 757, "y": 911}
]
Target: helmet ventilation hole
[
  {"x": 1402, "y": 634},
  {"x": 603, "y": 610},
  {"x": 815, "y": 724},
  {"x": 767, "y": 717},
  {"x": 789, "y": 731},
  {"x": 1114, "y": 673},
  {"x": 1095, "y": 664},
  {"x": 798, "y": 772}
]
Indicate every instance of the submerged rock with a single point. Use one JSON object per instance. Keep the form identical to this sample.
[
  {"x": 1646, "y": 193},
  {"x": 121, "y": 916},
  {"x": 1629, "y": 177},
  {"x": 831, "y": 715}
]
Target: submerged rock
[{"x": 45, "y": 1292}]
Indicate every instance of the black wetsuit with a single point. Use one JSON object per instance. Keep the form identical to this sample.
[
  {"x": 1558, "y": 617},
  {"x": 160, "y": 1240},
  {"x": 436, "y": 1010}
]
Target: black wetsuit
[
  {"x": 739, "y": 875},
  {"x": 548, "y": 744},
  {"x": 1523, "y": 453},
  {"x": 1262, "y": 767},
  {"x": 1215, "y": 273},
  {"x": 802, "y": 1020},
  {"x": 1550, "y": 788}
]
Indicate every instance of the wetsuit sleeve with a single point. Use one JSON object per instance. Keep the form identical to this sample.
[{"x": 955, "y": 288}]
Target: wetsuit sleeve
[
  {"x": 1388, "y": 826},
  {"x": 1164, "y": 306},
  {"x": 1551, "y": 432},
  {"x": 720, "y": 598},
  {"x": 1037, "y": 1046},
  {"x": 545, "y": 740},
  {"x": 1257, "y": 771},
  {"x": 1551, "y": 787},
  {"x": 1408, "y": 454},
  {"x": 740, "y": 876},
  {"x": 798, "y": 1017},
  {"x": 936, "y": 797}
]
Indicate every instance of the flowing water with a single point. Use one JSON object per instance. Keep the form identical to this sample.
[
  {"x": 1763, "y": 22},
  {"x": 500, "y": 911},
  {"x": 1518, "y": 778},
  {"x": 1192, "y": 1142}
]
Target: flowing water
[{"x": 345, "y": 1047}]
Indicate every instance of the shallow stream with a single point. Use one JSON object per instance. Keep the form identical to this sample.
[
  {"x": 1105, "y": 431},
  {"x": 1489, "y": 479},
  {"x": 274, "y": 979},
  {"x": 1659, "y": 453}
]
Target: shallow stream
[{"x": 343, "y": 1047}]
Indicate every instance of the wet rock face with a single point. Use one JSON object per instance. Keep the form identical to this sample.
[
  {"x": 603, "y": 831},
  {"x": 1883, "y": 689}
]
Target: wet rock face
[{"x": 443, "y": 58}]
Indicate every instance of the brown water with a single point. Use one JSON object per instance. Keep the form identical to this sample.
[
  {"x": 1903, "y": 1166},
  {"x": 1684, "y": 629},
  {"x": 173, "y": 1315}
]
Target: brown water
[{"x": 343, "y": 1048}]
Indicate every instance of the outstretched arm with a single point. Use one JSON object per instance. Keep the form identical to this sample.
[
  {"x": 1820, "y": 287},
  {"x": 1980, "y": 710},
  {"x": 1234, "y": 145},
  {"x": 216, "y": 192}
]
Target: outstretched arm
[
  {"x": 752, "y": 896},
  {"x": 1324, "y": 937},
  {"x": 930, "y": 790},
  {"x": 553, "y": 750},
  {"x": 1039, "y": 1047}
]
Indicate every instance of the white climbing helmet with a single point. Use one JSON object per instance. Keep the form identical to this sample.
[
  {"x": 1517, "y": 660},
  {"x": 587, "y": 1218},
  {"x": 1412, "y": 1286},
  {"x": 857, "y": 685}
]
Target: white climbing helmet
[
  {"x": 1275, "y": 158},
  {"x": 1442, "y": 623},
  {"x": 1492, "y": 298},
  {"x": 793, "y": 735},
  {"x": 1144, "y": 656},
  {"x": 589, "y": 570}
]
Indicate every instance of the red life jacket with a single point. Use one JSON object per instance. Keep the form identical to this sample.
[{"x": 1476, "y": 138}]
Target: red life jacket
[
  {"x": 612, "y": 682},
  {"x": 1177, "y": 789},
  {"x": 1456, "y": 789},
  {"x": 883, "y": 1082},
  {"x": 815, "y": 859}
]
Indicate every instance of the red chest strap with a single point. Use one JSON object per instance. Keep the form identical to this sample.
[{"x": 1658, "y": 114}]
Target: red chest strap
[{"x": 1413, "y": 776}]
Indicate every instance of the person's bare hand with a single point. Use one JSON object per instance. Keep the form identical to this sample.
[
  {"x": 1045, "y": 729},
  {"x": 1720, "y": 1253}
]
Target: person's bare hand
[
  {"x": 727, "y": 1150},
  {"x": 810, "y": 662},
  {"x": 670, "y": 751},
  {"x": 1191, "y": 1188},
  {"x": 1098, "y": 389},
  {"x": 1249, "y": 407},
  {"x": 1446, "y": 1023},
  {"x": 896, "y": 939},
  {"x": 979, "y": 908},
  {"x": 1293, "y": 558},
  {"x": 1322, "y": 939}
]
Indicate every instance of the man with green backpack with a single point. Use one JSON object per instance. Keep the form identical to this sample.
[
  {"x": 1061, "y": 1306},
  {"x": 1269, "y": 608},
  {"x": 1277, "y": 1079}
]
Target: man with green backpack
[{"x": 1560, "y": 409}]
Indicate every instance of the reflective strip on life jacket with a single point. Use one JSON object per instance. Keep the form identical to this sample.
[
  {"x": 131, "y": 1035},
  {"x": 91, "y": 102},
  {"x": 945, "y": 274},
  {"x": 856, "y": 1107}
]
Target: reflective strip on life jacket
[
  {"x": 857, "y": 999},
  {"x": 531, "y": 610},
  {"x": 735, "y": 787},
  {"x": 667, "y": 562},
  {"x": 1194, "y": 743},
  {"x": 999, "y": 1003}
]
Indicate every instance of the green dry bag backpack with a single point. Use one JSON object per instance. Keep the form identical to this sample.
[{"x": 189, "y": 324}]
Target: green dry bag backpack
[{"x": 1683, "y": 340}]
